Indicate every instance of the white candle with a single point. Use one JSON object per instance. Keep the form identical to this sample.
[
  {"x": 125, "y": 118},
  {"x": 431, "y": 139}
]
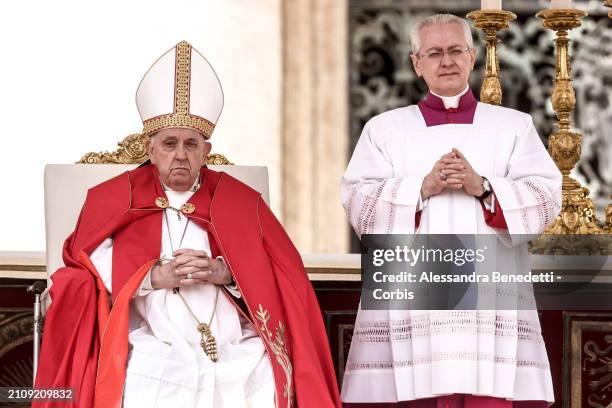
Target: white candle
[
  {"x": 561, "y": 4},
  {"x": 490, "y": 4}
]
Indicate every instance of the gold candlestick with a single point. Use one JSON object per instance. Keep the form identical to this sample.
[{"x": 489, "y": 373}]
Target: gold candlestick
[
  {"x": 578, "y": 212},
  {"x": 608, "y": 3},
  {"x": 491, "y": 21}
]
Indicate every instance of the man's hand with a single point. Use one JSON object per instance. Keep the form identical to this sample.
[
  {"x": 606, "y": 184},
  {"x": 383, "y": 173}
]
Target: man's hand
[
  {"x": 448, "y": 172},
  {"x": 199, "y": 264},
  {"x": 472, "y": 183}
]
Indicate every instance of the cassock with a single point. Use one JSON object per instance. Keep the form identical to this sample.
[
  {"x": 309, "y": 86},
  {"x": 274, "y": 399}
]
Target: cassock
[
  {"x": 271, "y": 340},
  {"x": 451, "y": 358}
]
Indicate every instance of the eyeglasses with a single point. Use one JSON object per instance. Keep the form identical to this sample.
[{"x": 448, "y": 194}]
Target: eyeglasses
[{"x": 437, "y": 55}]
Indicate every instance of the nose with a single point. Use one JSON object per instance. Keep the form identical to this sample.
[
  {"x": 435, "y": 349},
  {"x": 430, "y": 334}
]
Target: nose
[
  {"x": 181, "y": 153},
  {"x": 446, "y": 60}
]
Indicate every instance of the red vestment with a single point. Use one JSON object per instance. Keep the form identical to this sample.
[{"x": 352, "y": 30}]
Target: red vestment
[{"x": 85, "y": 343}]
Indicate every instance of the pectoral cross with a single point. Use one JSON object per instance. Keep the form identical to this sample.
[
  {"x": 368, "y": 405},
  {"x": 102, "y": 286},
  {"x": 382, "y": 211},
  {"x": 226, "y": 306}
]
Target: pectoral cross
[{"x": 208, "y": 342}]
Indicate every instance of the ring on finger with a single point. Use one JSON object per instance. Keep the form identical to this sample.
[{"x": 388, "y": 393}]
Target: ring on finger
[
  {"x": 443, "y": 176},
  {"x": 189, "y": 275}
]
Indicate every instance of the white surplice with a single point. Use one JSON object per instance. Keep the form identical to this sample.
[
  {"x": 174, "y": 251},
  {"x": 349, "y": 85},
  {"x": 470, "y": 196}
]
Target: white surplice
[
  {"x": 166, "y": 364},
  {"x": 402, "y": 355}
]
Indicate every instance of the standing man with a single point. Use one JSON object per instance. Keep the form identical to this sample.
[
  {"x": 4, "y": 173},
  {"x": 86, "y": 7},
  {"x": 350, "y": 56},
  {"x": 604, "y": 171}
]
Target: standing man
[
  {"x": 210, "y": 305},
  {"x": 450, "y": 165}
]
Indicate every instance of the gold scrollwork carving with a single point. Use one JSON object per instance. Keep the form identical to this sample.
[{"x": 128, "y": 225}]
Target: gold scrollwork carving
[
  {"x": 278, "y": 346},
  {"x": 608, "y": 3},
  {"x": 15, "y": 329},
  {"x": 599, "y": 362},
  {"x": 132, "y": 151},
  {"x": 608, "y": 227}
]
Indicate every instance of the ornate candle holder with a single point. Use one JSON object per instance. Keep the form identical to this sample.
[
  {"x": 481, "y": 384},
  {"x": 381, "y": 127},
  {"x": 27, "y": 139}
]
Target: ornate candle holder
[
  {"x": 578, "y": 212},
  {"x": 608, "y": 3},
  {"x": 491, "y": 21}
]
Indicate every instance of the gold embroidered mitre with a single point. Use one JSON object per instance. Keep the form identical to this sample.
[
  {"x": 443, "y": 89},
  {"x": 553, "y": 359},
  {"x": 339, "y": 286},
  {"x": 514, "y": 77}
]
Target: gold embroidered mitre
[{"x": 181, "y": 89}]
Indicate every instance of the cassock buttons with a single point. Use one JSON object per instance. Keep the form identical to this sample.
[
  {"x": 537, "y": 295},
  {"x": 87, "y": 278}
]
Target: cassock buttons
[
  {"x": 161, "y": 202},
  {"x": 187, "y": 208}
]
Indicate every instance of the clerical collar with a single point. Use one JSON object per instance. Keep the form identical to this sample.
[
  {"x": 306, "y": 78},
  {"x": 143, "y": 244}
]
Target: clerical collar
[
  {"x": 462, "y": 101},
  {"x": 451, "y": 102},
  {"x": 194, "y": 187}
]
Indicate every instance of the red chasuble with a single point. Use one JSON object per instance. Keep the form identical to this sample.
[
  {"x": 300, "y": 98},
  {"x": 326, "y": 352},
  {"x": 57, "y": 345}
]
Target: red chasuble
[
  {"x": 435, "y": 114},
  {"x": 85, "y": 345}
]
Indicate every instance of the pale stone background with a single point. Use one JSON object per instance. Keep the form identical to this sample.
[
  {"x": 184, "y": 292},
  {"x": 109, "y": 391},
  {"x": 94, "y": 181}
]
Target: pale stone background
[{"x": 70, "y": 69}]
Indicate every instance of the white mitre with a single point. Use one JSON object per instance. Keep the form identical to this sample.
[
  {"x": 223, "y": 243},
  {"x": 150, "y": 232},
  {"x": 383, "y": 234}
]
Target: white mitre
[{"x": 181, "y": 89}]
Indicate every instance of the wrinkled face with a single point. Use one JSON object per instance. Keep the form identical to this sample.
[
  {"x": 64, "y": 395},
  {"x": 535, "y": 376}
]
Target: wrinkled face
[
  {"x": 443, "y": 61},
  {"x": 178, "y": 154}
]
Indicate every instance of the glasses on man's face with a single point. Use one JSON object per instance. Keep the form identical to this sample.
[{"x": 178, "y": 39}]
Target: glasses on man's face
[{"x": 437, "y": 55}]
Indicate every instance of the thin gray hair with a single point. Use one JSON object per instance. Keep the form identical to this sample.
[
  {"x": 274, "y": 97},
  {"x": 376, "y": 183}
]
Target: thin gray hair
[{"x": 439, "y": 19}]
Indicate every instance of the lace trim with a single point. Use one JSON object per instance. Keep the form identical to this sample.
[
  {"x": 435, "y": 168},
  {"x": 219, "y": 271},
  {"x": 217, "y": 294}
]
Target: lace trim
[
  {"x": 546, "y": 204},
  {"x": 521, "y": 203},
  {"x": 446, "y": 357},
  {"x": 461, "y": 322},
  {"x": 391, "y": 220}
]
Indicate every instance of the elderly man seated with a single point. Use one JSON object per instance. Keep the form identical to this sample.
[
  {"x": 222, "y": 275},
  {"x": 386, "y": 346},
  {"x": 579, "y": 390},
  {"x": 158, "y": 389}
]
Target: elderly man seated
[{"x": 210, "y": 305}]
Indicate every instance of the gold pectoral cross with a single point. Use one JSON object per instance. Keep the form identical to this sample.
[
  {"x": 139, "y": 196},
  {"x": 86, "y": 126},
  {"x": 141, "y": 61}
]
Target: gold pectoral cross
[{"x": 208, "y": 342}]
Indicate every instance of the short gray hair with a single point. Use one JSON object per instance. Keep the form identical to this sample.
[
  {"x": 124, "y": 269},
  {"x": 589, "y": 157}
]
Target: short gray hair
[{"x": 439, "y": 19}]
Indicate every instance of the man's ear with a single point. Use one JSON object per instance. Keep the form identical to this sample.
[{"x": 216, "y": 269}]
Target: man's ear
[
  {"x": 415, "y": 64},
  {"x": 473, "y": 57},
  {"x": 207, "y": 149},
  {"x": 148, "y": 144}
]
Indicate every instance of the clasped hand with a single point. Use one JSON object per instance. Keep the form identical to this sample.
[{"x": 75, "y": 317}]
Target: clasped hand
[
  {"x": 452, "y": 171},
  {"x": 199, "y": 264}
]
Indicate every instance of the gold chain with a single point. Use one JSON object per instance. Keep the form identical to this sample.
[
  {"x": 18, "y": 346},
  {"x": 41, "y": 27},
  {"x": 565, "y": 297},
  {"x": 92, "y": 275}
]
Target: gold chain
[{"x": 207, "y": 341}]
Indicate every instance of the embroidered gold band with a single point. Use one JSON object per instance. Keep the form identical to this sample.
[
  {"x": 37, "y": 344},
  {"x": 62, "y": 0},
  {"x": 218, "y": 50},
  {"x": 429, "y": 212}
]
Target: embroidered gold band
[
  {"x": 175, "y": 120},
  {"x": 182, "y": 78}
]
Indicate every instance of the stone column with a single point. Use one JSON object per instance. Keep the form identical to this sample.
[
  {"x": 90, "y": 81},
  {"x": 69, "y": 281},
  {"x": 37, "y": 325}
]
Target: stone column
[{"x": 314, "y": 122}]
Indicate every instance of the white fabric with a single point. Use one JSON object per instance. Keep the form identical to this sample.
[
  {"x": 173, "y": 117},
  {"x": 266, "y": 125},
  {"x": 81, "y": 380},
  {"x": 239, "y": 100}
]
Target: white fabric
[
  {"x": 451, "y": 102},
  {"x": 405, "y": 354},
  {"x": 166, "y": 366},
  {"x": 155, "y": 94}
]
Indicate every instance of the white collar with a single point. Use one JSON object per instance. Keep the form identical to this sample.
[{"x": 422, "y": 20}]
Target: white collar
[
  {"x": 451, "y": 102},
  {"x": 194, "y": 187}
]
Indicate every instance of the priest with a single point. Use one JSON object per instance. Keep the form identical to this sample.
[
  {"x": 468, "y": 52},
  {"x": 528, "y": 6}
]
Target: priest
[
  {"x": 181, "y": 288},
  {"x": 450, "y": 165}
]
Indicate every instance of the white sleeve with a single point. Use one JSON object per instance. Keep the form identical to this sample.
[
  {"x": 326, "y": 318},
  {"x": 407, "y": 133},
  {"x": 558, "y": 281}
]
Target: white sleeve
[
  {"x": 375, "y": 201},
  {"x": 490, "y": 207},
  {"x": 530, "y": 193},
  {"x": 102, "y": 259}
]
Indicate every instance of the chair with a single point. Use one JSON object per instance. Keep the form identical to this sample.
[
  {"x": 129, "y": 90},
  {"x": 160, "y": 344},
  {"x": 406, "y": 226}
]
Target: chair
[{"x": 66, "y": 187}]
